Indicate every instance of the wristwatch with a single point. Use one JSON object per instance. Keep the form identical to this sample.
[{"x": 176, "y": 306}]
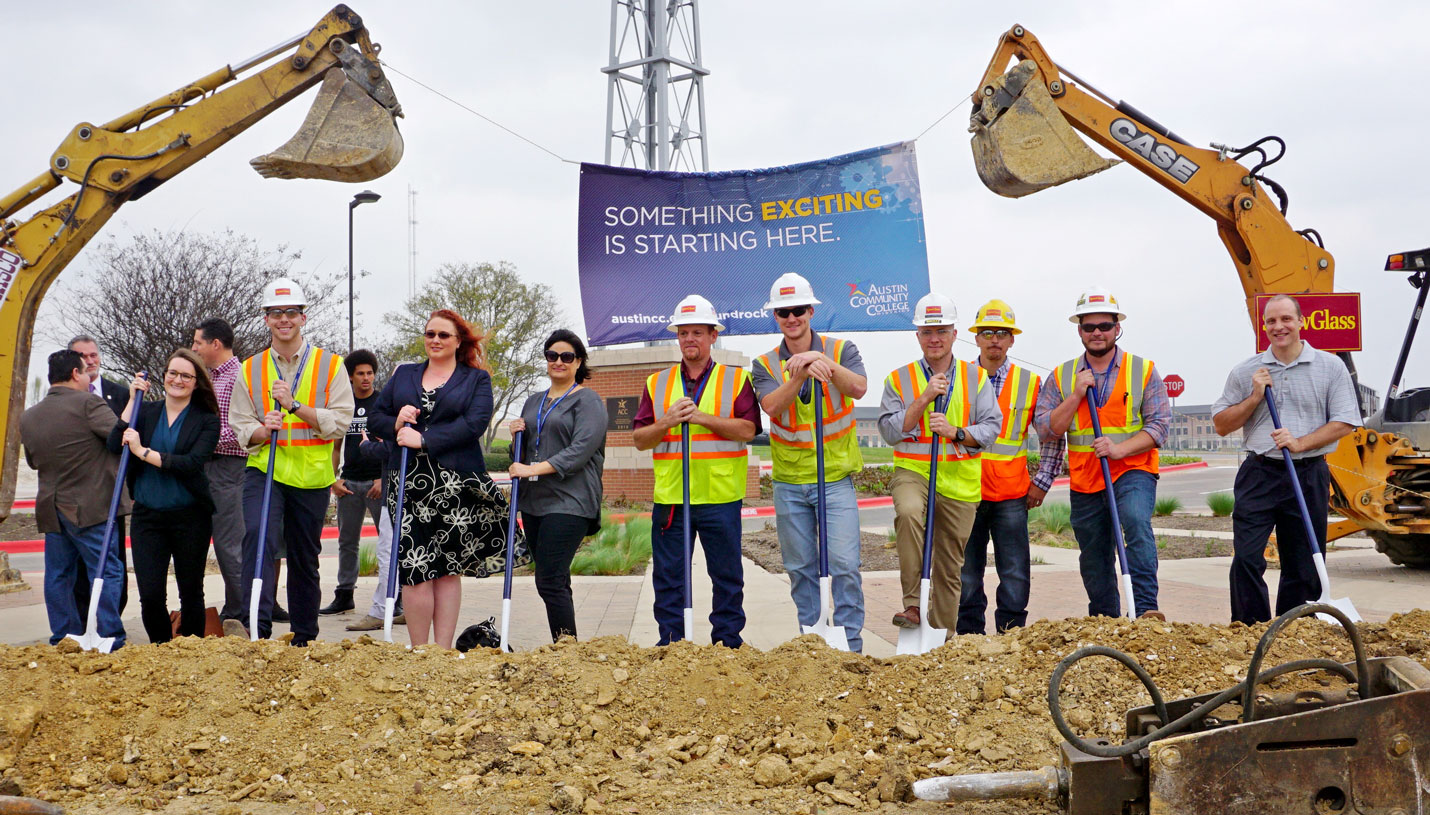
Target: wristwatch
[
  {"x": 293, "y": 408},
  {"x": 960, "y": 436}
]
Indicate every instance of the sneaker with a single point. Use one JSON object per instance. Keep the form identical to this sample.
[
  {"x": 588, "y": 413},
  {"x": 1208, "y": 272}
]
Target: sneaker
[
  {"x": 908, "y": 618},
  {"x": 400, "y": 619},
  {"x": 234, "y": 628},
  {"x": 367, "y": 623},
  {"x": 280, "y": 614}
]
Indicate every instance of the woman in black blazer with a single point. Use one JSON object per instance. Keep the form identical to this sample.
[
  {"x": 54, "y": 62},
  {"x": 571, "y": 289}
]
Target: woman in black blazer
[
  {"x": 454, "y": 518},
  {"x": 173, "y": 511}
]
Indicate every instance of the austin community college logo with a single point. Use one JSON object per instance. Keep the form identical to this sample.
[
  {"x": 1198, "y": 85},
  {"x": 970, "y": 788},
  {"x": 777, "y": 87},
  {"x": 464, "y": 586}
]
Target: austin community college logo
[{"x": 876, "y": 300}]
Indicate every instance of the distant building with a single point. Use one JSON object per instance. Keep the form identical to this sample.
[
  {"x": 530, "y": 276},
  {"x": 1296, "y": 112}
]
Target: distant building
[
  {"x": 1369, "y": 399},
  {"x": 1192, "y": 430},
  {"x": 866, "y": 427}
]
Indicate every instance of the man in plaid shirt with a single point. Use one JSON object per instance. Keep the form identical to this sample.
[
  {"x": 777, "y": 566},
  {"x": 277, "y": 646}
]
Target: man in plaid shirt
[{"x": 213, "y": 342}]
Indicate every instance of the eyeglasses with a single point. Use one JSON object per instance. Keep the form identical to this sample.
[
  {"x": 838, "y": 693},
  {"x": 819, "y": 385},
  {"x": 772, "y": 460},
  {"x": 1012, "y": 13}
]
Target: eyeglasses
[
  {"x": 1088, "y": 328},
  {"x": 275, "y": 313},
  {"x": 995, "y": 333},
  {"x": 438, "y": 335},
  {"x": 786, "y": 313},
  {"x": 179, "y": 375},
  {"x": 567, "y": 357},
  {"x": 941, "y": 331}
]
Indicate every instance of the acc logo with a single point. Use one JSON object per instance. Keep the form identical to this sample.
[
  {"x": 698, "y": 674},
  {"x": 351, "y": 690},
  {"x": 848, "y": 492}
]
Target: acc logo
[
  {"x": 877, "y": 300},
  {"x": 1146, "y": 145}
]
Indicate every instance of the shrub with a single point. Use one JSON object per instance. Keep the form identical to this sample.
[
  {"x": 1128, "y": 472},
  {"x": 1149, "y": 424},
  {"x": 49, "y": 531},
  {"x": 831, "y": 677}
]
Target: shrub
[
  {"x": 874, "y": 480},
  {"x": 1222, "y": 503},
  {"x": 1168, "y": 461},
  {"x": 1054, "y": 518},
  {"x": 367, "y": 559},
  {"x": 497, "y": 462},
  {"x": 1167, "y": 505},
  {"x": 619, "y": 548}
]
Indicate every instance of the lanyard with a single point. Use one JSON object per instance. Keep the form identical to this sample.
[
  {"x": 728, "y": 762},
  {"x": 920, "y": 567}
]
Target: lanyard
[
  {"x": 1100, "y": 391},
  {"x": 700, "y": 387},
  {"x": 541, "y": 420}
]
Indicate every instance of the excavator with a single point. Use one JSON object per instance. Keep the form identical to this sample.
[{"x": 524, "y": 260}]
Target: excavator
[
  {"x": 350, "y": 134},
  {"x": 1025, "y": 123}
]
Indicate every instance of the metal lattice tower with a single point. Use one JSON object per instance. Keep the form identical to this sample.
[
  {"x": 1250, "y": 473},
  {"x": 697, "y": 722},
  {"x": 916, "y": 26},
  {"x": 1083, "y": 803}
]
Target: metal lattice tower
[
  {"x": 411, "y": 241},
  {"x": 655, "y": 99}
]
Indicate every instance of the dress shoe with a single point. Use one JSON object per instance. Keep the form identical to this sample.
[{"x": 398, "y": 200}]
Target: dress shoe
[
  {"x": 280, "y": 614},
  {"x": 908, "y": 618},
  {"x": 342, "y": 601}
]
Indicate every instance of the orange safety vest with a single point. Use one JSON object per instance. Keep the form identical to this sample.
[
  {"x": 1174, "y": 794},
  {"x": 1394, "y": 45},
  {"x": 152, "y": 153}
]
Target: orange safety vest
[
  {"x": 958, "y": 467},
  {"x": 792, "y": 432},
  {"x": 1005, "y": 462},
  {"x": 717, "y": 464},
  {"x": 302, "y": 459},
  {"x": 1121, "y": 419}
]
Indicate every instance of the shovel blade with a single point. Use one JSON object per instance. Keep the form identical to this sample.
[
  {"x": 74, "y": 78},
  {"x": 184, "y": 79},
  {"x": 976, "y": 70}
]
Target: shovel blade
[
  {"x": 91, "y": 641},
  {"x": 1028, "y": 145},
  {"x": 1344, "y": 606},
  {"x": 347, "y": 136},
  {"x": 921, "y": 640},
  {"x": 833, "y": 635}
]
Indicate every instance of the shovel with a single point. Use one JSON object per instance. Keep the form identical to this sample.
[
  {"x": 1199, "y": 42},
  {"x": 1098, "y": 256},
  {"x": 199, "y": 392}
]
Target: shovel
[
  {"x": 390, "y": 603},
  {"x": 258, "y": 569},
  {"x": 91, "y": 640},
  {"x": 925, "y": 638},
  {"x": 1343, "y": 604},
  {"x": 833, "y": 635},
  {"x": 689, "y": 611},
  {"x": 510, "y": 545},
  {"x": 1116, "y": 519}
]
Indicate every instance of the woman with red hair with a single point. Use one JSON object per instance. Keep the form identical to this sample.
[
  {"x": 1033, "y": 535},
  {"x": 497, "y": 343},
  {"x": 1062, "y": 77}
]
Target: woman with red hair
[{"x": 454, "y": 518}]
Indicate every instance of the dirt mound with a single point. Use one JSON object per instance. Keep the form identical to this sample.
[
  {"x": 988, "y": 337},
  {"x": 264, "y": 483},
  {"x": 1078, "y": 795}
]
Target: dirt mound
[{"x": 228, "y": 726}]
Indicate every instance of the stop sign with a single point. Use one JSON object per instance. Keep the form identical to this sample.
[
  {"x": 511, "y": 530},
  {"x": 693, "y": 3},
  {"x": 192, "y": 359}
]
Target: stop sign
[{"x": 1175, "y": 385}]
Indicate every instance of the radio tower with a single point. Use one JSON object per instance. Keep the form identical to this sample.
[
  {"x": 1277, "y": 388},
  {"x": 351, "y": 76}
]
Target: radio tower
[
  {"x": 655, "y": 99},
  {"x": 411, "y": 242}
]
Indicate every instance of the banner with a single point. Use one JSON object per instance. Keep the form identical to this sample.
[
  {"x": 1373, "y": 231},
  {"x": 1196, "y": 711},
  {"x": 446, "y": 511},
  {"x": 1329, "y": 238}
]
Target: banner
[
  {"x": 1330, "y": 322},
  {"x": 852, "y": 225}
]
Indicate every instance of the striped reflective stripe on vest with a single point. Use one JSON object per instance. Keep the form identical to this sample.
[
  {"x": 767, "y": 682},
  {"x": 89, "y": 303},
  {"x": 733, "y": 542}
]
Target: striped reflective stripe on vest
[
  {"x": 787, "y": 428},
  {"x": 1020, "y": 391},
  {"x": 1132, "y": 379},
  {"x": 718, "y": 400},
  {"x": 320, "y": 367},
  {"x": 909, "y": 382}
]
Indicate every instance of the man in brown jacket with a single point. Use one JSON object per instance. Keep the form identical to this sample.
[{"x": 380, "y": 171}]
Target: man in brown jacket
[{"x": 64, "y": 437}]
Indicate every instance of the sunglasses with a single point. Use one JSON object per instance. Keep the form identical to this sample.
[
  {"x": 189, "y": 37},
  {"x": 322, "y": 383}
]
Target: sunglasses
[
  {"x": 786, "y": 313},
  {"x": 995, "y": 333},
  {"x": 567, "y": 357},
  {"x": 438, "y": 335},
  {"x": 275, "y": 313},
  {"x": 1088, "y": 328}
]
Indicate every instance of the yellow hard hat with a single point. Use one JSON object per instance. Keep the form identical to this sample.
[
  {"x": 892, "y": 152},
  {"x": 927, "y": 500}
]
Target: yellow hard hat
[{"x": 995, "y": 314}]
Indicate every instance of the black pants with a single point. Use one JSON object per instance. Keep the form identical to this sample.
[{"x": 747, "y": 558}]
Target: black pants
[
  {"x": 552, "y": 540},
  {"x": 180, "y": 535},
  {"x": 1265, "y": 500},
  {"x": 296, "y": 514},
  {"x": 83, "y": 582}
]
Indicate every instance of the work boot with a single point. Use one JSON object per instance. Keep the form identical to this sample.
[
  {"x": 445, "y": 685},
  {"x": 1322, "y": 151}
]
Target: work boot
[
  {"x": 367, "y": 623},
  {"x": 908, "y": 618},
  {"x": 342, "y": 601},
  {"x": 280, "y": 614},
  {"x": 234, "y": 628}
]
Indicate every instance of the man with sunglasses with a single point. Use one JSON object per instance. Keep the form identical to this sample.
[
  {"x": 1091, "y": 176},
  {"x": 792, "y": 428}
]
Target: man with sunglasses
[
  {"x": 1135, "y": 415},
  {"x": 294, "y": 395},
  {"x": 782, "y": 380},
  {"x": 936, "y": 393},
  {"x": 1008, "y": 493}
]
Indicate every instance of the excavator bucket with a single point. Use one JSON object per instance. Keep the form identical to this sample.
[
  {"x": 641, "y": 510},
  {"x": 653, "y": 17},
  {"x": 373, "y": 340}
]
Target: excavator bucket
[
  {"x": 1022, "y": 143},
  {"x": 347, "y": 136}
]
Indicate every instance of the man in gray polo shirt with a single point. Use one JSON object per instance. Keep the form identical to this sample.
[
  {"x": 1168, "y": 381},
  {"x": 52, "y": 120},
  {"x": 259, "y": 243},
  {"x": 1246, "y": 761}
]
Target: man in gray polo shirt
[{"x": 1317, "y": 403}]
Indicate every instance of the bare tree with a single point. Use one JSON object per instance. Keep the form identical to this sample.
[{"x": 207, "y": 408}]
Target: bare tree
[
  {"x": 141, "y": 298},
  {"x": 515, "y": 316}
]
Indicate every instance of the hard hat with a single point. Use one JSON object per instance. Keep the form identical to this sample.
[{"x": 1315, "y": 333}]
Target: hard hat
[
  {"x": 1096, "y": 300},
  {"x": 283, "y": 292},
  {"x": 996, "y": 314},
  {"x": 791, "y": 290},
  {"x": 694, "y": 310},
  {"x": 935, "y": 309}
]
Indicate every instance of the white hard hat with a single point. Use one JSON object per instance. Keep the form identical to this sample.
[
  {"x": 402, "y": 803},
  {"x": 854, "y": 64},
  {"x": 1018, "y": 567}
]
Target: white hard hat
[
  {"x": 1096, "y": 300},
  {"x": 283, "y": 292},
  {"x": 791, "y": 290},
  {"x": 694, "y": 310},
  {"x": 935, "y": 309}
]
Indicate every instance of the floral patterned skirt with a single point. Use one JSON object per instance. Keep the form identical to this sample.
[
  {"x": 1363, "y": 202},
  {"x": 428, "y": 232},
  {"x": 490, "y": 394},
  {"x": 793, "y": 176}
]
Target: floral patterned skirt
[{"x": 453, "y": 523}]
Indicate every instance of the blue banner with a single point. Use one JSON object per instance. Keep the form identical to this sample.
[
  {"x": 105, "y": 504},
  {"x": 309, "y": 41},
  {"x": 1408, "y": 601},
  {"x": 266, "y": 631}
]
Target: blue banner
[{"x": 852, "y": 225}]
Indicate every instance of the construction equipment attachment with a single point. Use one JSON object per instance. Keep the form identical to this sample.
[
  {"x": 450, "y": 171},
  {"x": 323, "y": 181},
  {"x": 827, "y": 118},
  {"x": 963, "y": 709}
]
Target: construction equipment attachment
[
  {"x": 350, "y": 133},
  {"x": 1355, "y": 741},
  {"x": 1022, "y": 143}
]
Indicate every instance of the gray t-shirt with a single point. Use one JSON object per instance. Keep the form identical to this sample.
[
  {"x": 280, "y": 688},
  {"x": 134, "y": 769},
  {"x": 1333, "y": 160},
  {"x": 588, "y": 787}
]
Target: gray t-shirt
[
  {"x": 1312, "y": 391},
  {"x": 764, "y": 384}
]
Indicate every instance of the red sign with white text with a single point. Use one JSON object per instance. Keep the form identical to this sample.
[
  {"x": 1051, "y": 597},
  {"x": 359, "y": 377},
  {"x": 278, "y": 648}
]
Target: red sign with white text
[
  {"x": 1175, "y": 385},
  {"x": 1330, "y": 322}
]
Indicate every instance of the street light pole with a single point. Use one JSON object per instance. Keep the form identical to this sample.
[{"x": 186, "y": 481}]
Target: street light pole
[{"x": 364, "y": 197}]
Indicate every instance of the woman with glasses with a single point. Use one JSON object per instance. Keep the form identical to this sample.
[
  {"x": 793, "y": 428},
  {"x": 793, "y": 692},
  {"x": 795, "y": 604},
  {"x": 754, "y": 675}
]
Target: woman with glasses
[
  {"x": 564, "y": 452},
  {"x": 454, "y": 518},
  {"x": 171, "y": 441}
]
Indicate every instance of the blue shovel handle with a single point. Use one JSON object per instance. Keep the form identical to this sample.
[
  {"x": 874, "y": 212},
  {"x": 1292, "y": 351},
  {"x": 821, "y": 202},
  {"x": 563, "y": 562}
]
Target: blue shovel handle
[
  {"x": 1311, "y": 537},
  {"x": 516, "y": 450},
  {"x": 392, "y": 556},
  {"x": 927, "y": 567},
  {"x": 124, "y": 457},
  {"x": 821, "y": 511},
  {"x": 1111, "y": 496}
]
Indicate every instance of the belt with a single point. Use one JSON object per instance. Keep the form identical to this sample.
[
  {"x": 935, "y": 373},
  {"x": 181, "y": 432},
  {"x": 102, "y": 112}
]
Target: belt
[{"x": 1278, "y": 458}]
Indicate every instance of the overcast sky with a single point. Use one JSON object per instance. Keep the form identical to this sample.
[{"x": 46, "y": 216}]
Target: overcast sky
[{"x": 790, "y": 82}]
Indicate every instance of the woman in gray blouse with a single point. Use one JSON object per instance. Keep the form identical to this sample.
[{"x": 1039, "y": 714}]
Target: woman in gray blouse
[{"x": 564, "y": 447}]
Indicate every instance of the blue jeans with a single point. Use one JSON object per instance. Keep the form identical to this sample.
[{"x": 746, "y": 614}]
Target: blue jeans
[
  {"x": 1006, "y": 522},
  {"x": 795, "y": 509},
  {"x": 64, "y": 552},
  {"x": 1136, "y": 493},
  {"x": 718, "y": 528}
]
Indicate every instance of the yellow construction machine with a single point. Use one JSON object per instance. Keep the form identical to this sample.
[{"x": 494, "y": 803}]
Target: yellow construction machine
[
  {"x": 1025, "y": 124},
  {"x": 350, "y": 134}
]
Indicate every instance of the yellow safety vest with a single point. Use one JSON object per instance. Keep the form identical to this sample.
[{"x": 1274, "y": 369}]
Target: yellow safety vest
[
  {"x": 959, "y": 472},
  {"x": 717, "y": 464},
  {"x": 303, "y": 460},
  {"x": 792, "y": 432},
  {"x": 1121, "y": 419},
  {"x": 1005, "y": 462}
]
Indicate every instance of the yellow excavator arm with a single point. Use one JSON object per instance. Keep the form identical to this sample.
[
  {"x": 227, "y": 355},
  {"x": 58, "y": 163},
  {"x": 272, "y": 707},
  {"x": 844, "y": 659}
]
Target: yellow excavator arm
[{"x": 350, "y": 134}]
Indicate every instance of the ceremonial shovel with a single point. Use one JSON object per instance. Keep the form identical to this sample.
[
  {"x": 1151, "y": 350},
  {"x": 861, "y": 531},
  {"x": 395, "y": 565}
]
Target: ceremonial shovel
[
  {"x": 925, "y": 638},
  {"x": 1344, "y": 603},
  {"x": 390, "y": 603},
  {"x": 833, "y": 635},
  {"x": 1116, "y": 519},
  {"x": 510, "y": 545}
]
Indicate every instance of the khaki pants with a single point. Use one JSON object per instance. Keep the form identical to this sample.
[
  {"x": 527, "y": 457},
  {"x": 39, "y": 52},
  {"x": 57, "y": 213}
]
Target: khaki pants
[{"x": 953, "y": 520}]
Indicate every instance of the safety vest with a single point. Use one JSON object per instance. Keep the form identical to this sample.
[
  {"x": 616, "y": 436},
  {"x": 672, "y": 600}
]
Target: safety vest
[
  {"x": 1005, "y": 461},
  {"x": 792, "y": 432},
  {"x": 717, "y": 464},
  {"x": 959, "y": 475},
  {"x": 1121, "y": 419},
  {"x": 303, "y": 460}
]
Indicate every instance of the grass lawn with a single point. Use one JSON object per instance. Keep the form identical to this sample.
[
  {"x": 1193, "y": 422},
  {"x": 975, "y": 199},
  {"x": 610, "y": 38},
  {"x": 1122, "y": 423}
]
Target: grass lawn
[{"x": 872, "y": 455}]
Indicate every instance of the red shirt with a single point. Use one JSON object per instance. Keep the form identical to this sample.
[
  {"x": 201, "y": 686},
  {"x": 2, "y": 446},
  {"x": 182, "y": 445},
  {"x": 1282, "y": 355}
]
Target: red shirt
[{"x": 745, "y": 405}]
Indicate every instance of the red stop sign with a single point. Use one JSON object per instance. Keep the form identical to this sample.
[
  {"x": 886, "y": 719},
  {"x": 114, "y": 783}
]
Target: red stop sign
[{"x": 1175, "y": 385}]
